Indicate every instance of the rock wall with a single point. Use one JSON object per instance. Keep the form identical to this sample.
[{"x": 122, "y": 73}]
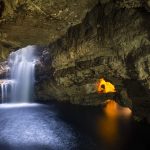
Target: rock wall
[
  {"x": 38, "y": 22},
  {"x": 112, "y": 42}
]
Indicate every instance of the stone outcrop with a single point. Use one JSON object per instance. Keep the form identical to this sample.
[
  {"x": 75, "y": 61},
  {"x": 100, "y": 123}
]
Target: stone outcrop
[
  {"x": 3, "y": 69},
  {"x": 25, "y": 22},
  {"x": 87, "y": 40}
]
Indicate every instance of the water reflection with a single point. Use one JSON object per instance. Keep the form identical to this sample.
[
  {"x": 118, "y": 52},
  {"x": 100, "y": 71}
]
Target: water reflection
[
  {"x": 108, "y": 128},
  {"x": 69, "y": 127},
  {"x": 114, "y": 110},
  {"x": 37, "y": 127},
  {"x": 109, "y": 124}
]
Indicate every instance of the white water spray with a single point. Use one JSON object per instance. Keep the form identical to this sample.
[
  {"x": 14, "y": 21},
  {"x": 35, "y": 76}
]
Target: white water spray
[
  {"x": 22, "y": 64},
  {"x": 5, "y": 87}
]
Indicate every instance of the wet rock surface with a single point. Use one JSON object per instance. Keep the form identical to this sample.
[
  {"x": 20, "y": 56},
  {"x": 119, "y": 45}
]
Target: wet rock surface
[
  {"x": 88, "y": 40},
  {"x": 3, "y": 69}
]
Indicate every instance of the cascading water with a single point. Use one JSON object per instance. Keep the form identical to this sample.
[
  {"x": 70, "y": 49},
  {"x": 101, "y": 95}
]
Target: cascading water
[
  {"x": 22, "y": 64},
  {"x": 5, "y": 86}
]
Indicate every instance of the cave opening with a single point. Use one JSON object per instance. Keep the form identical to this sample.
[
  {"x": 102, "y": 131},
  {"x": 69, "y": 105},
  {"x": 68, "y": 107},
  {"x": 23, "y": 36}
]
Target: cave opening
[{"x": 105, "y": 86}]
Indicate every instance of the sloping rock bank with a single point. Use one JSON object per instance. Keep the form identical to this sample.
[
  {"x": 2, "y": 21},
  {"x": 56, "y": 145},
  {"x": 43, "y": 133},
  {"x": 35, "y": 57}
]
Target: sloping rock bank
[{"x": 88, "y": 40}]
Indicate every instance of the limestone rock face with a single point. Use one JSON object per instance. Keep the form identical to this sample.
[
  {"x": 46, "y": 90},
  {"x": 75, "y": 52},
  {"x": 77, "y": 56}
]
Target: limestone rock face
[
  {"x": 112, "y": 43},
  {"x": 24, "y": 22},
  {"x": 85, "y": 41}
]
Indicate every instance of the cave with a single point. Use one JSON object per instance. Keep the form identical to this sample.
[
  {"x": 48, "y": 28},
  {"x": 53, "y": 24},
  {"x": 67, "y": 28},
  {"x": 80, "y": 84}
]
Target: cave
[{"x": 79, "y": 68}]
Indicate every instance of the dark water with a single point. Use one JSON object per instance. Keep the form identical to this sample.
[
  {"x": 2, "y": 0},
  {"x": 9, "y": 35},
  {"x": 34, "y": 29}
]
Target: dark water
[{"x": 68, "y": 127}]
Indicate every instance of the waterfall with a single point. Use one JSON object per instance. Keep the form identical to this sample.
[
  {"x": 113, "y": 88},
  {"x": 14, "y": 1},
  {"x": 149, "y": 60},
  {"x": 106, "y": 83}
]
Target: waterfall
[
  {"x": 22, "y": 64},
  {"x": 5, "y": 86}
]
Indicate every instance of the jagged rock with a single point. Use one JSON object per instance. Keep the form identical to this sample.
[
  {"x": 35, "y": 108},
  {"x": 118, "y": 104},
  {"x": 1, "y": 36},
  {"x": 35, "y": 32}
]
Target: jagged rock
[
  {"x": 25, "y": 22},
  {"x": 110, "y": 43},
  {"x": 3, "y": 69}
]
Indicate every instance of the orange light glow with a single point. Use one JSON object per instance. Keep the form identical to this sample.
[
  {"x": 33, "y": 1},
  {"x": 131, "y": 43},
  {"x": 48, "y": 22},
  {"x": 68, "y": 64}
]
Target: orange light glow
[
  {"x": 113, "y": 109},
  {"x": 105, "y": 87},
  {"x": 108, "y": 126},
  {"x": 108, "y": 129}
]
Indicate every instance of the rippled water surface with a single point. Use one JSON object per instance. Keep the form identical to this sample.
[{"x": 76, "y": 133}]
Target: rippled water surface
[{"x": 66, "y": 127}]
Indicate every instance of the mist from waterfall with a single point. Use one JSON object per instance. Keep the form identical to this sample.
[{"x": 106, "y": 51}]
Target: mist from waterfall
[
  {"x": 5, "y": 86},
  {"x": 20, "y": 83},
  {"x": 4, "y": 90}
]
